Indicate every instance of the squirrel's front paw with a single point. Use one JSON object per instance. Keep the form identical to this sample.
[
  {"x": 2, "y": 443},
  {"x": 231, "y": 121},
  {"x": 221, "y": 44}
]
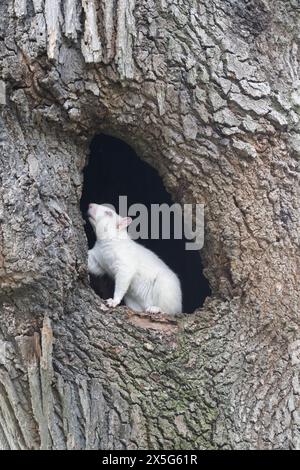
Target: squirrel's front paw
[{"x": 112, "y": 303}]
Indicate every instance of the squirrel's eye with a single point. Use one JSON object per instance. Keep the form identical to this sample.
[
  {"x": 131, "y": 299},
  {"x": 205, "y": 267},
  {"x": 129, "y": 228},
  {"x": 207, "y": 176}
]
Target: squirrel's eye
[{"x": 108, "y": 213}]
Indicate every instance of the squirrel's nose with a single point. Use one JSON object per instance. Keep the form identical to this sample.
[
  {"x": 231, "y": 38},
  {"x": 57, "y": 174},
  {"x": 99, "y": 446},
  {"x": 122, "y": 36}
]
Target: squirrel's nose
[{"x": 92, "y": 210}]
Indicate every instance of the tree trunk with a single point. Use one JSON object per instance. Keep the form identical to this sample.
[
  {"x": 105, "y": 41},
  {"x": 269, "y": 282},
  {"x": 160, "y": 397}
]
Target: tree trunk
[{"x": 208, "y": 92}]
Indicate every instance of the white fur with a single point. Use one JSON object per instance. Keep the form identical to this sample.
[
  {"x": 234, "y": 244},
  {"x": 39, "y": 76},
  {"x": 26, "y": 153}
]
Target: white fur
[{"x": 144, "y": 281}]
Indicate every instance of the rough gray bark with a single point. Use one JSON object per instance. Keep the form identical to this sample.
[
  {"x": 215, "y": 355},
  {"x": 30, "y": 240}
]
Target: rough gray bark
[{"x": 209, "y": 93}]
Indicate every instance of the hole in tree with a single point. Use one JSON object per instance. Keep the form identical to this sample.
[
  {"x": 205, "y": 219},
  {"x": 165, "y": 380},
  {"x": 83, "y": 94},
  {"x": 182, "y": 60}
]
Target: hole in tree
[{"x": 115, "y": 170}]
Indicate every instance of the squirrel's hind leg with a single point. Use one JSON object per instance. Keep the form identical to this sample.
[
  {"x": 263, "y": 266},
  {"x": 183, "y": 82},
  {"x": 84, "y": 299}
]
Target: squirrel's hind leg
[{"x": 133, "y": 304}]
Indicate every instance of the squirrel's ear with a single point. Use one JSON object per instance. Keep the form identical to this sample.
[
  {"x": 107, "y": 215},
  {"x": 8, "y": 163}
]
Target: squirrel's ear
[{"x": 124, "y": 222}]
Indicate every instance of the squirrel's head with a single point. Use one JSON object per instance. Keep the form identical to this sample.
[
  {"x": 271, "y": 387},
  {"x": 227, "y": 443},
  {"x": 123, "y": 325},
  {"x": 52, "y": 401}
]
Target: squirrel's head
[{"x": 107, "y": 224}]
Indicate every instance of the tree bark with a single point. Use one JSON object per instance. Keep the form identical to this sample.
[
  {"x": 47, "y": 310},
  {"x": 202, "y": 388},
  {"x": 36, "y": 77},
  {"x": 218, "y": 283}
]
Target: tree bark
[{"x": 208, "y": 92}]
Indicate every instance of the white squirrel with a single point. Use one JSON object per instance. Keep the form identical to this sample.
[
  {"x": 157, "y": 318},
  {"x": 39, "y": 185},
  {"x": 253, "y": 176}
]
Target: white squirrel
[{"x": 144, "y": 281}]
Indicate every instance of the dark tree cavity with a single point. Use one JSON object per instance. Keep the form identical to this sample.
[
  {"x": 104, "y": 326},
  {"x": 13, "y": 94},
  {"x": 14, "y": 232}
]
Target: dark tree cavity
[{"x": 115, "y": 170}]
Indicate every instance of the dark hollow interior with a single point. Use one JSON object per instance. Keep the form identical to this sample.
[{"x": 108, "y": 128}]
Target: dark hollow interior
[{"x": 113, "y": 170}]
